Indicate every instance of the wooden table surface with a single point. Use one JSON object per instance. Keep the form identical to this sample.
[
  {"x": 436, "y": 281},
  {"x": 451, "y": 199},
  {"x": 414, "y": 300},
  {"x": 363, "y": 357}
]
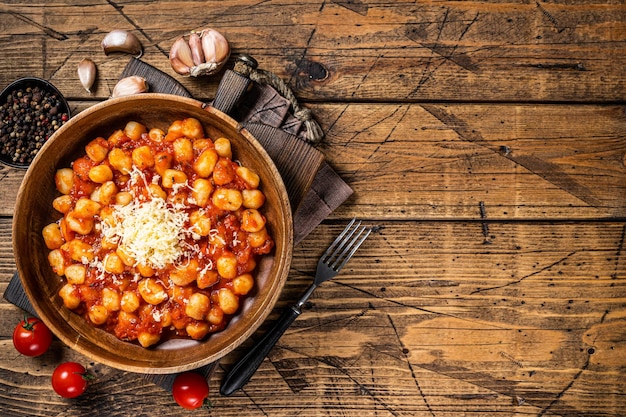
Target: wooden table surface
[{"x": 486, "y": 138}]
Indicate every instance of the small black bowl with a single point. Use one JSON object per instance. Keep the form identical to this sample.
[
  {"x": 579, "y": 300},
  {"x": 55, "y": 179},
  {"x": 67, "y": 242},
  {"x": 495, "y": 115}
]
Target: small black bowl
[{"x": 31, "y": 110}]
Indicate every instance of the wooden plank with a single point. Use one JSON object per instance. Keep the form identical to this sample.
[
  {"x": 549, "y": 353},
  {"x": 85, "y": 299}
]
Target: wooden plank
[
  {"x": 461, "y": 51},
  {"x": 436, "y": 161},
  {"x": 424, "y": 310},
  {"x": 442, "y": 161}
]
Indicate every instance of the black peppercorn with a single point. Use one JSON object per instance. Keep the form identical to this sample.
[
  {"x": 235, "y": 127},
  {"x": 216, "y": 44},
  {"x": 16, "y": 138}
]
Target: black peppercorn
[{"x": 29, "y": 115}]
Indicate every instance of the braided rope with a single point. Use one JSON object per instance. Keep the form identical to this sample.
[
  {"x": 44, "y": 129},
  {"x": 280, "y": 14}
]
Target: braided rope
[{"x": 315, "y": 134}]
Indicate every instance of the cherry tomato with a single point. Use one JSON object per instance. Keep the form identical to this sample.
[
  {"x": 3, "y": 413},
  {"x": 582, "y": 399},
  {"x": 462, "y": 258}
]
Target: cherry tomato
[
  {"x": 190, "y": 390},
  {"x": 31, "y": 337},
  {"x": 70, "y": 379}
]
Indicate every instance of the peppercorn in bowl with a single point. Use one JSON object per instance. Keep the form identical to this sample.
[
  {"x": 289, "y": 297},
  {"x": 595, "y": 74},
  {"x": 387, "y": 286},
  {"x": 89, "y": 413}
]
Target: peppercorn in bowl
[
  {"x": 152, "y": 233},
  {"x": 31, "y": 111}
]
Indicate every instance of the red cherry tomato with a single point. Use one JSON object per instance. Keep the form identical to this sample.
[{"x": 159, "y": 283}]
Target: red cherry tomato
[
  {"x": 70, "y": 379},
  {"x": 190, "y": 390},
  {"x": 31, "y": 337}
]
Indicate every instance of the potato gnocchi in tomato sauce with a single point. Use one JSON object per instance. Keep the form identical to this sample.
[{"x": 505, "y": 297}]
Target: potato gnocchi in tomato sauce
[{"x": 160, "y": 232}]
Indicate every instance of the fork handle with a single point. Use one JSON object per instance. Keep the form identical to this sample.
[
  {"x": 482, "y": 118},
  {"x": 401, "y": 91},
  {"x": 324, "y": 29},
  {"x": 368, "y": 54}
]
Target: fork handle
[{"x": 243, "y": 370}]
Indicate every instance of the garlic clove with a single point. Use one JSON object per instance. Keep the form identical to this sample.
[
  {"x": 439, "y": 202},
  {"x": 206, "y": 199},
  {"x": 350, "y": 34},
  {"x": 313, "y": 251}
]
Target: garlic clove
[
  {"x": 215, "y": 46},
  {"x": 204, "y": 53},
  {"x": 216, "y": 52},
  {"x": 87, "y": 73},
  {"x": 180, "y": 56},
  {"x": 129, "y": 86},
  {"x": 195, "y": 44},
  {"x": 122, "y": 41}
]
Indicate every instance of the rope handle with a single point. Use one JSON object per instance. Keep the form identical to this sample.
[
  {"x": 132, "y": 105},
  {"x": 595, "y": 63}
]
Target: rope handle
[{"x": 247, "y": 66}]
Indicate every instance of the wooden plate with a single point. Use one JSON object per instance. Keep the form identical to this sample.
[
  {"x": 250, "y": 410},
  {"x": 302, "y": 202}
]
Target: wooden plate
[{"x": 34, "y": 210}]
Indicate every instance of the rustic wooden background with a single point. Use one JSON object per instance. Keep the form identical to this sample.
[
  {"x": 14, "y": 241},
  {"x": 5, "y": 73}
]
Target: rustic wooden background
[{"x": 487, "y": 138}]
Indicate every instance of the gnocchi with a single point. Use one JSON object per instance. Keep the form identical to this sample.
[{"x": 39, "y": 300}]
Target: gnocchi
[{"x": 159, "y": 233}]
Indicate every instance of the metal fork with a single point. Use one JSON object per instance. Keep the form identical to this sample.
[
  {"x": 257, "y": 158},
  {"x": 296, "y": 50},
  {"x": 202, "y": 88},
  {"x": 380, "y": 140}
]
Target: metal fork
[{"x": 328, "y": 266}]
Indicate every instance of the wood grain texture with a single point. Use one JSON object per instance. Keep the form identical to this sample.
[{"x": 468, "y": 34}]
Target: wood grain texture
[
  {"x": 439, "y": 161},
  {"x": 347, "y": 50},
  {"x": 479, "y": 327},
  {"x": 442, "y": 160},
  {"x": 487, "y": 138}
]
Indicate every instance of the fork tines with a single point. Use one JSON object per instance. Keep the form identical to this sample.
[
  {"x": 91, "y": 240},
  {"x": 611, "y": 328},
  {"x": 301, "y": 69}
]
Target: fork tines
[{"x": 341, "y": 250}]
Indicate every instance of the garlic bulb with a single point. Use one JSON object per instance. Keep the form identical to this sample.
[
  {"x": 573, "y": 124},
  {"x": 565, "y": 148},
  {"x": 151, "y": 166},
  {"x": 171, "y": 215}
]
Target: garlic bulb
[
  {"x": 122, "y": 41},
  {"x": 203, "y": 54},
  {"x": 130, "y": 85},
  {"x": 87, "y": 73}
]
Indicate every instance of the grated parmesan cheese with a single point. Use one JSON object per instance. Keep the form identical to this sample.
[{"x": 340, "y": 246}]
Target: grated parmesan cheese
[
  {"x": 99, "y": 267},
  {"x": 135, "y": 175},
  {"x": 157, "y": 315},
  {"x": 150, "y": 231}
]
